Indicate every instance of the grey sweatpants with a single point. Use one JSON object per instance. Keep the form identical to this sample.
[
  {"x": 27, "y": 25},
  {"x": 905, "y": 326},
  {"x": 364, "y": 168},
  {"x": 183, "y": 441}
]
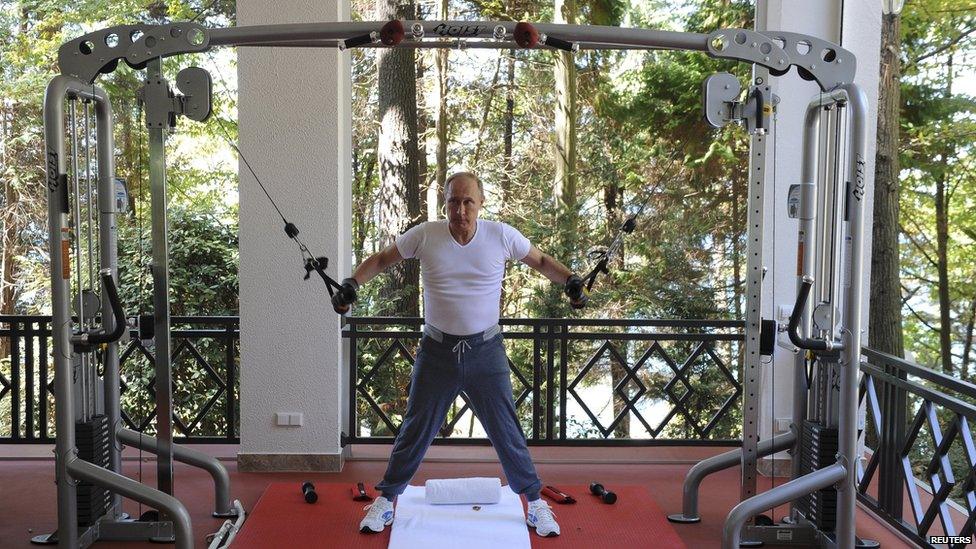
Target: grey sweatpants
[{"x": 441, "y": 370}]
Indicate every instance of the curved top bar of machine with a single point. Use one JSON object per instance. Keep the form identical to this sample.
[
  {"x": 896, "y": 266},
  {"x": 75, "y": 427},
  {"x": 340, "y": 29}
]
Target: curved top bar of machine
[{"x": 100, "y": 51}]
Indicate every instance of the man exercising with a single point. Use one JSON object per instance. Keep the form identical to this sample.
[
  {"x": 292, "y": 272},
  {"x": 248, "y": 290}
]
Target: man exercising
[{"x": 463, "y": 262}]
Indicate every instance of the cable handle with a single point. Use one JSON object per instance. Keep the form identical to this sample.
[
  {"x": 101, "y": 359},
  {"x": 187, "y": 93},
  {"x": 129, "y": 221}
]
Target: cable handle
[
  {"x": 600, "y": 267},
  {"x": 99, "y": 337},
  {"x": 810, "y": 344},
  {"x": 310, "y": 262}
]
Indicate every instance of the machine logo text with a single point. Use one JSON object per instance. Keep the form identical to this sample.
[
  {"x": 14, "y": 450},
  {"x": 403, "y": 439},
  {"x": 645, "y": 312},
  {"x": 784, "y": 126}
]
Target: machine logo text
[
  {"x": 52, "y": 171},
  {"x": 457, "y": 30}
]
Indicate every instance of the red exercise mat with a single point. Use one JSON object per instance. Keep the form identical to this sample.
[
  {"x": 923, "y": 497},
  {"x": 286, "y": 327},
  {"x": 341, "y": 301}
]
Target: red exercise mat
[
  {"x": 635, "y": 521},
  {"x": 282, "y": 520}
]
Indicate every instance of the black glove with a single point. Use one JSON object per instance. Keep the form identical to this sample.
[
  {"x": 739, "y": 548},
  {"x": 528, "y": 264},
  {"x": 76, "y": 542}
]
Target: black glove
[
  {"x": 345, "y": 296},
  {"x": 576, "y": 291}
]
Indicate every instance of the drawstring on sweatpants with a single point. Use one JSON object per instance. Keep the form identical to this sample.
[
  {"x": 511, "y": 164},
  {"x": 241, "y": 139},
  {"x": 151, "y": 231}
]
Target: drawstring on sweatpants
[{"x": 460, "y": 348}]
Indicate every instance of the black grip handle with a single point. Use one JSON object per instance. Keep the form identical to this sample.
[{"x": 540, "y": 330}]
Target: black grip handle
[
  {"x": 760, "y": 107},
  {"x": 101, "y": 336},
  {"x": 357, "y": 41},
  {"x": 559, "y": 44},
  {"x": 794, "y": 325}
]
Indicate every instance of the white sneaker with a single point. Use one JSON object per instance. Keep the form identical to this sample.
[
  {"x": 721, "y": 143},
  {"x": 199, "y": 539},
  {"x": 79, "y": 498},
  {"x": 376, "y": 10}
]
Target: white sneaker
[
  {"x": 379, "y": 515},
  {"x": 541, "y": 517}
]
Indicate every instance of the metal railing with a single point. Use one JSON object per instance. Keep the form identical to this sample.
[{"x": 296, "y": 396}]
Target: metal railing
[
  {"x": 917, "y": 434},
  {"x": 205, "y": 374},
  {"x": 684, "y": 373},
  {"x": 917, "y": 424}
]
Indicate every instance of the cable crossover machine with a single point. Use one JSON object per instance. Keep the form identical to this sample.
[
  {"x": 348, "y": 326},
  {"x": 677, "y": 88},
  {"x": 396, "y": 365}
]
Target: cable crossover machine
[{"x": 825, "y": 331}]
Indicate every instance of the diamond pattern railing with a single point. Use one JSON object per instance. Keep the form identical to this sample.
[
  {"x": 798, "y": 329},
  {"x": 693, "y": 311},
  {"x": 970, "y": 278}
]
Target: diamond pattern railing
[
  {"x": 575, "y": 382},
  {"x": 921, "y": 473},
  {"x": 205, "y": 387}
]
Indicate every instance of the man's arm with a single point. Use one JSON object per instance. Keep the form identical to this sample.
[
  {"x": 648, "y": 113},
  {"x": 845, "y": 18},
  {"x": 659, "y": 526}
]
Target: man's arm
[
  {"x": 547, "y": 265},
  {"x": 560, "y": 274},
  {"x": 372, "y": 266},
  {"x": 377, "y": 263}
]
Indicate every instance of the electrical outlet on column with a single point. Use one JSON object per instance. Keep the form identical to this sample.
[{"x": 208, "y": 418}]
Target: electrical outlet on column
[{"x": 289, "y": 419}]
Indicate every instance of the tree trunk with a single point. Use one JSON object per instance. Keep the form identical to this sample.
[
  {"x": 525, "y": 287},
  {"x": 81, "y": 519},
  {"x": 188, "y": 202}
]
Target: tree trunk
[
  {"x": 8, "y": 222},
  {"x": 507, "y": 167},
  {"x": 441, "y": 123},
  {"x": 613, "y": 203},
  {"x": 509, "y": 127},
  {"x": 484, "y": 117},
  {"x": 363, "y": 206},
  {"x": 942, "y": 246},
  {"x": 968, "y": 343},
  {"x": 397, "y": 154},
  {"x": 564, "y": 186},
  {"x": 11, "y": 248},
  {"x": 565, "y": 123},
  {"x": 422, "y": 125},
  {"x": 885, "y": 333},
  {"x": 942, "y": 261},
  {"x": 423, "y": 176}
]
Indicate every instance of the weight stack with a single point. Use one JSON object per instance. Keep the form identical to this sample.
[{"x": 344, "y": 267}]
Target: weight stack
[
  {"x": 818, "y": 449},
  {"x": 91, "y": 438}
]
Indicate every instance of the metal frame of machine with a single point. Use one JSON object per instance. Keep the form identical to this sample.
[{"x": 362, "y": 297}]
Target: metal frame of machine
[{"x": 79, "y": 344}]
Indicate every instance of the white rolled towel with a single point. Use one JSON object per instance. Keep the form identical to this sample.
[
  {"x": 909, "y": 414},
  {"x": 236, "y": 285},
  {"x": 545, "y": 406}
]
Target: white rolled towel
[{"x": 463, "y": 490}]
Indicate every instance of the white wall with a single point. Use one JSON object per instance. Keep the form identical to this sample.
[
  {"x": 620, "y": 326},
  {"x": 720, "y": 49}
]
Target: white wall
[
  {"x": 295, "y": 131},
  {"x": 858, "y": 30}
]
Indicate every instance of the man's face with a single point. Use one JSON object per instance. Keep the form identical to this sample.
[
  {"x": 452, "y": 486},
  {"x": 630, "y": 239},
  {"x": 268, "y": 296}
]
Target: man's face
[{"x": 463, "y": 203}]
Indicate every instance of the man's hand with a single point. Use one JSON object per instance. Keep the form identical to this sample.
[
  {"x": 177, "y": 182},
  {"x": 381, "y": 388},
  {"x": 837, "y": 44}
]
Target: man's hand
[
  {"x": 345, "y": 296},
  {"x": 576, "y": 291}
]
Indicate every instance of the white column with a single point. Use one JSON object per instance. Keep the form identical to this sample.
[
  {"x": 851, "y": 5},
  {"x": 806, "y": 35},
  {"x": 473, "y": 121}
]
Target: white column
[
  {"x": 295, "y": 132},
  {"x": 858, "y": 29}
]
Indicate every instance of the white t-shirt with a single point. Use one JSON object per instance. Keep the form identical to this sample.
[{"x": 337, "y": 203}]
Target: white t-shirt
[{"x": 462, "y": 284}]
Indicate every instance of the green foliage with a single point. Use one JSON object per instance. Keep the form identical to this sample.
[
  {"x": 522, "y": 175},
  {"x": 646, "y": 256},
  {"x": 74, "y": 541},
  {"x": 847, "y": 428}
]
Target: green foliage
[
  {"x": 32, "y": 33},
  {"x": 202, "y": 178},
  {"x": 938, "y": 123},
  {"x": 203, "y": 257},
  {"x": 640, "y": 137}
]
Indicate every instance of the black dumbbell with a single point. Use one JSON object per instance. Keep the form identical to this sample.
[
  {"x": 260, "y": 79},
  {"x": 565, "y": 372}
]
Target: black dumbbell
[
  {"x": 607, "y": 496},
  {"x": 308, "y": 490}
]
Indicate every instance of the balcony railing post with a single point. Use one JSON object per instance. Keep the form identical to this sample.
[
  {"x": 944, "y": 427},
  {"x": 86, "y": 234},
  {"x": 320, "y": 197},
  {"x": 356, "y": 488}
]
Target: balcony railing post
[
  {"x": 229, "y": 411},
  {"x": 15, "y": 380},
  {"x": 563, "y": 367},
  {"x": 554, "y": 332},
  {"x": 892, "y": 438},
  {"x": 536, "y": 377},
  {"x": 353, "y": 374},
  {"x": 44, "y": 332},
  {"x": 29, "y": 376}
]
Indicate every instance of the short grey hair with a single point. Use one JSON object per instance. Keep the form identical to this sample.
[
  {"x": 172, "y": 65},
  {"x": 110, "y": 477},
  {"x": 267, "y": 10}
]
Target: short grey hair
[{"x": 470, "y": 175}]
